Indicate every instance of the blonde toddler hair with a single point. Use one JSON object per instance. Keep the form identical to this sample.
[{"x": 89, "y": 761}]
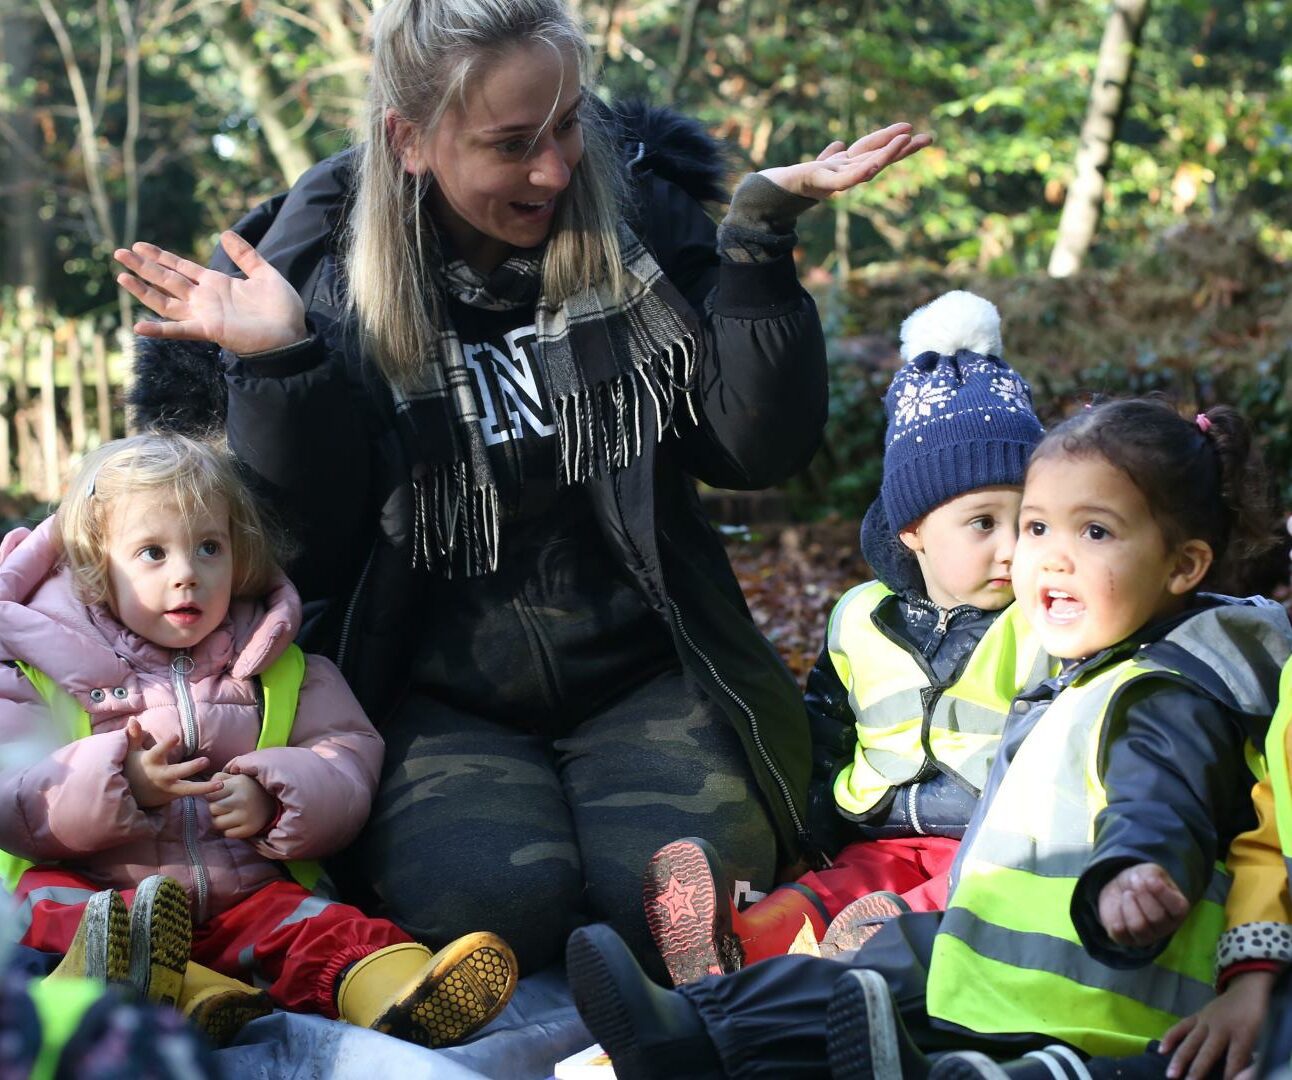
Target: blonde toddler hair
[{"x": 194, "y": 473}]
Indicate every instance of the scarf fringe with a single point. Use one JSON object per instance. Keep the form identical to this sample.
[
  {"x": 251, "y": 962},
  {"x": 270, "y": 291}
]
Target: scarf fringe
[
  {"x": 599, "y": 427},
  {"x": 455, "y": 524}
]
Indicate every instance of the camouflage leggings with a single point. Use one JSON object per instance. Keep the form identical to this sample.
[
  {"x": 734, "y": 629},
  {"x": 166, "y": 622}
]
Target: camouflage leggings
[{"x": 479, "y": 826}]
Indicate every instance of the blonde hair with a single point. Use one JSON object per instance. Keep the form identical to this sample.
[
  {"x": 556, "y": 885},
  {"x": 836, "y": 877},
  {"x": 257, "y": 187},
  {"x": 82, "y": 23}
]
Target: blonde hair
[
  {"x": 195, "y": 473},
  {"x": 424, "y": 53}
]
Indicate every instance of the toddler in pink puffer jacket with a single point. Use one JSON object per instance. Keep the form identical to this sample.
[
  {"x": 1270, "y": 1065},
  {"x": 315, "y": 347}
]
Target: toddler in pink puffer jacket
[{"x": 192, "y": 760}]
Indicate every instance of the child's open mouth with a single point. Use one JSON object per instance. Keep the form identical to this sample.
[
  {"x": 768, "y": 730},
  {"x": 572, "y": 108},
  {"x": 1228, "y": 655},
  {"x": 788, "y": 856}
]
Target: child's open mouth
[
  {"x": 1061, "y": 607},
  {"x": 185, "y": 615}
]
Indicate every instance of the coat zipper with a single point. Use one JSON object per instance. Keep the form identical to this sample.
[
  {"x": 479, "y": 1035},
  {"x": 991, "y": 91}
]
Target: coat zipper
[
  {"x": 928, "y": 696},
  {"x": 180, "y": 666},
  {"x": 803, "y": 836},
  {"x": 343, "y": 641}
]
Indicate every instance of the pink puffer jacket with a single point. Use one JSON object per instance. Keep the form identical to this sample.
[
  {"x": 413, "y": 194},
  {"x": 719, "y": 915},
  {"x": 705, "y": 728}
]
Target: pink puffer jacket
[{"x": 73, "y": 806}]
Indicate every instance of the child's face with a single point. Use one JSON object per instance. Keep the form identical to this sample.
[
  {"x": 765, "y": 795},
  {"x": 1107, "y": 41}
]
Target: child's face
[
  {"x": 171, "y": 579},
  {"x": 1093, "y": 566},
  {"x": 965, "y": 547}
]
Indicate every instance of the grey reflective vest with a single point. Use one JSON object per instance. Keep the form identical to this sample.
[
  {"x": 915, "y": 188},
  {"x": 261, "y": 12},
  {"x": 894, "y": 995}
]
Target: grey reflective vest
[
  {"x": 904, "y": 721},
  {"x": 1007, "y": 957}
]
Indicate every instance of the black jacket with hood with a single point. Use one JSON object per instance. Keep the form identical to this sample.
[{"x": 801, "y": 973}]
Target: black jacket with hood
[{"x": 314, "y": 425}]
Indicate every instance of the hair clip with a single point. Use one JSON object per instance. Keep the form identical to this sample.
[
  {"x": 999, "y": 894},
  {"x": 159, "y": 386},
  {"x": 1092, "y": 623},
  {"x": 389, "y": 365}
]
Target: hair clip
[{"x": 1204, "y": 425}]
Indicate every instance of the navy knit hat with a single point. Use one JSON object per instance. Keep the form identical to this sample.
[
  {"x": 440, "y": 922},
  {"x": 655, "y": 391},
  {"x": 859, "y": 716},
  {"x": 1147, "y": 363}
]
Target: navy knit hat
[{"x": 959, "y": 417}]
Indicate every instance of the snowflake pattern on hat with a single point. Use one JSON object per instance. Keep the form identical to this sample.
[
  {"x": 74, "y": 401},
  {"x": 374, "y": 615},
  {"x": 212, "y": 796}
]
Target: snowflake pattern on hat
[{"x": 958, "y": 419}]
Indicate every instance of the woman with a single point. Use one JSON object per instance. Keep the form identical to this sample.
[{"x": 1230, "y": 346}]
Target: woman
[{"x": 477, "y": 361}]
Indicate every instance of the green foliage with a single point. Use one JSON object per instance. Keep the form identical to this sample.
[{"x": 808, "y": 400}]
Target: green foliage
[
  {"x": 1004, "y": 87},
  {"x": 1203, "y": 318}
]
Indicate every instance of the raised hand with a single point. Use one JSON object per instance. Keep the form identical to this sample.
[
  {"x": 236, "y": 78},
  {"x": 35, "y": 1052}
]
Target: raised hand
[
  {"x": 153, "y": 780},
  {"x": 243, "y": 808},
  {"x": 244, "y": 316},
  {"x": 839, "y": 167},
  {"x": 1142, "y": 905}
]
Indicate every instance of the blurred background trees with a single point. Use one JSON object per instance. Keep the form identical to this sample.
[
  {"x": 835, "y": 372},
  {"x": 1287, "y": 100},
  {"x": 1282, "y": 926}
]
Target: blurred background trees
[{"x": 167, "y": 119}]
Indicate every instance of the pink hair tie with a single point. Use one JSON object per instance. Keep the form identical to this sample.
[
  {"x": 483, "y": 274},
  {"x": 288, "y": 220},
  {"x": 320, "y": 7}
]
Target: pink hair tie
[{"x": 1204, "y": 425}]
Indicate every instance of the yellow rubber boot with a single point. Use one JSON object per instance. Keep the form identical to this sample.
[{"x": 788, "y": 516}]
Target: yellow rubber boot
[
  {"x": 218, "y": 1004},
  {"x": 100, "y": 949},
  {"x": 161, "y": 933},
  {"x": 430, "y": 999}
]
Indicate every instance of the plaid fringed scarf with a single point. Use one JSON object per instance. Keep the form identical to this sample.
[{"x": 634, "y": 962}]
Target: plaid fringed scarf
[{"x": 601, "y": 358}]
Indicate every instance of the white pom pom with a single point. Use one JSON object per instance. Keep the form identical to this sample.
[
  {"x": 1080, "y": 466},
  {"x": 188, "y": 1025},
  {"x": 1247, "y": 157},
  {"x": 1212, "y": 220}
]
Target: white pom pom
[{"x": 954, "y": 321}]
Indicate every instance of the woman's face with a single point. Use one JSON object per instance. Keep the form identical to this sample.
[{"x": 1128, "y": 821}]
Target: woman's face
[{"x": 500, "y": 161}]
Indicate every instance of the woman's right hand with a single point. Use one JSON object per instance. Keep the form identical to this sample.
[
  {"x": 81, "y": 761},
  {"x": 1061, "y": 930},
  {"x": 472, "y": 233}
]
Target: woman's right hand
[{"x": 253, "y": 315}]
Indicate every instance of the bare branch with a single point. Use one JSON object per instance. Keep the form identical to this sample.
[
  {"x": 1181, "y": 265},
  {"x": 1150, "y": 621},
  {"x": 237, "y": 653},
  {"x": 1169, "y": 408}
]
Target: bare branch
[
  {"x": 130, "y": 141},
  {"x": 105, "y": 60},
  {"x": 85, "y": 123},
  {"x": 309, "y": 78},
  {"x": 686, "y": 40},
  {"x": 13, "y": 139},
  {"x": 312, "y": 25}
]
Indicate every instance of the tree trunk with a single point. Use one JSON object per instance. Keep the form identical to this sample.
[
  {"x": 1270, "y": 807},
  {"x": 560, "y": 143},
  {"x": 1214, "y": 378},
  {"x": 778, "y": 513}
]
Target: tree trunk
[
  {"x": 1080, "y": 215},
  {"x": 259, "y": 86},
  {"x": 685, "y": 45},
  {"x": 342, "y": 42},
  {"x": 22, "y": 173}
]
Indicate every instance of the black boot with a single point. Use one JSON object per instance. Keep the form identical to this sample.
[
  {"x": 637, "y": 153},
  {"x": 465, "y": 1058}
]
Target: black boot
[
  {"x": 650, "y": 1033},
  {"x": 1050, "y": 1064},
  {"x": 864, "y": 1034},
  {"x": 1039, "y": 1065}
]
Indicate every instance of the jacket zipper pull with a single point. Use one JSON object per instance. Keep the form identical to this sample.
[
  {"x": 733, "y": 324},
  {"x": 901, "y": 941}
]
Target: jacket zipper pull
[{"x": 944, "y": 616}]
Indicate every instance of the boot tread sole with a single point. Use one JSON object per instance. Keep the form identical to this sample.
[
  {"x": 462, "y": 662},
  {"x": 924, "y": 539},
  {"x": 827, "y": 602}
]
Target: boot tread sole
[
  {"x": 161, "y": 939},
  {"x": 458, "y": 996},
  {"x": 695, "y": 937},
  {"x": 861, "y": 1033}
]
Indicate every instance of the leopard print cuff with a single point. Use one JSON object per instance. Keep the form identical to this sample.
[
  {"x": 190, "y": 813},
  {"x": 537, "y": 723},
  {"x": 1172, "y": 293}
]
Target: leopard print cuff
[{"x": 1254, "y": 941}]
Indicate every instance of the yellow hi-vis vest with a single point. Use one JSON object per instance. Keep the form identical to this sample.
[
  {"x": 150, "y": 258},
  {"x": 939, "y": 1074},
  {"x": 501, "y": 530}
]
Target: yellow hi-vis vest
[
  {"x": 281, "y": 685},
  {"x": 1007, "y": 957},
  {"x": 60, "y": 1006},
  {"x": 1276, "y": 759},
  {"x": 897, "y": 706}
]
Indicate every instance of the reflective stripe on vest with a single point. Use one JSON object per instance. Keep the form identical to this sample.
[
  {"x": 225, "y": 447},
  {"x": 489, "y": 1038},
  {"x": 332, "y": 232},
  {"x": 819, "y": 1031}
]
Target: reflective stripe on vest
[
  {"x": 1276, "y": 760},
  {"x": 1007, "y": 957},
  {"x": 281, "y": 685},
  {"x": 888, "y": 689},
  {"x": 60, "y": 1004}
]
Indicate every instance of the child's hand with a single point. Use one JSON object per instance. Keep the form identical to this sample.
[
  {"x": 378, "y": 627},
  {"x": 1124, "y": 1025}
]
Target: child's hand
[
  {"x": 243, "y": 808},
  {"x": 153, "y": 780},
  {"x": 1227, "y": 1026},
  {"x": 1142, "y": 905}
]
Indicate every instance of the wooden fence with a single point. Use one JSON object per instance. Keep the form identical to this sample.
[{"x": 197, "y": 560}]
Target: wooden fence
[{"x": 61, "y": 390}]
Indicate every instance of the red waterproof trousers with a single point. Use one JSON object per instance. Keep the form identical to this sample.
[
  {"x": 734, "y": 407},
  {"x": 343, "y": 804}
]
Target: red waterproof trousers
[
  {"x": 282, "y": 938},
  {"x": 915, "y": 868}
]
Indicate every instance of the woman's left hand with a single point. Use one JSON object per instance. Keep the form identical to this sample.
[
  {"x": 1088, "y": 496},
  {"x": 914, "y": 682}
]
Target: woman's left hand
[{"x": 839, "y": 167}]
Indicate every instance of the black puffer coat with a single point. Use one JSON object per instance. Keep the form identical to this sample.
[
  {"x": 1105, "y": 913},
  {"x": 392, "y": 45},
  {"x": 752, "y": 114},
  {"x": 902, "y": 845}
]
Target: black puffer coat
[{"x": 314, "y": 424}]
